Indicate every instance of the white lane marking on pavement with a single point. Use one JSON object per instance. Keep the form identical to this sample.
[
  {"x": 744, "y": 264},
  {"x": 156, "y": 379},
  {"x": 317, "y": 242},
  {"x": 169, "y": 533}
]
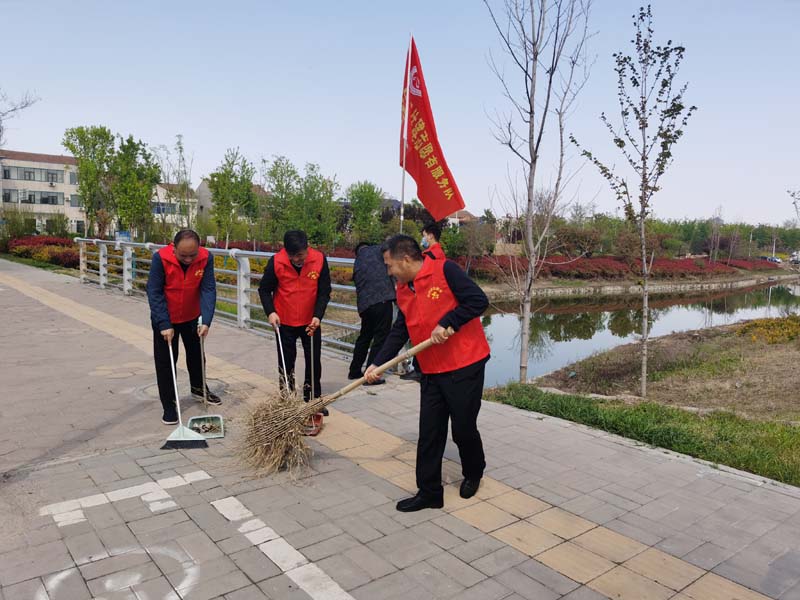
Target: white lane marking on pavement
[
  {"x": 308, "y": 576},
  {"x": 259, "y": 536},
  {"x": 316, "y": 583},
  {"x": 283, "y": 554},
  {"x": 232, "y": 509},
  {"x": 153, "y": 493}
]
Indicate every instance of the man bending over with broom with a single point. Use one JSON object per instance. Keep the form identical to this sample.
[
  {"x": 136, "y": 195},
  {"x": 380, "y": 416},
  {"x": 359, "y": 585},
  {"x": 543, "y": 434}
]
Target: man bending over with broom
[
  {"x": 438, "y": 300},
  {"x": 295, "y": 291},
  {"x": 180, "y": 288}
]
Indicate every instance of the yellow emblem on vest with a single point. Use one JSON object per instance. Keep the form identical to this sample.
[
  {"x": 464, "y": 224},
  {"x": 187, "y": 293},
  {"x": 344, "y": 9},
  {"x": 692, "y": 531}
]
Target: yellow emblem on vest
[
  {"x": 198, "y": 273},
  {"x": 434, "y": 293},
  {"x": 313, "y": 275}
]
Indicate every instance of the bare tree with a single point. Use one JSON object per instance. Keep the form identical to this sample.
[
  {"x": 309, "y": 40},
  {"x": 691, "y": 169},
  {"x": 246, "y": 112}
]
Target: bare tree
[
  {"x": 9, "y": 108},
  {"x": 176, "y": 171},
  {"x": 546, "y": 42},
  {"x": 653, "y": 117}
]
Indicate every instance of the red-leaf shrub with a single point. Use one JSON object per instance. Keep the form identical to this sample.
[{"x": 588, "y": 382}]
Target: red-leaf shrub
[
  {"x": 752, "y": 265},
  {"x": 36, "y": 241}
]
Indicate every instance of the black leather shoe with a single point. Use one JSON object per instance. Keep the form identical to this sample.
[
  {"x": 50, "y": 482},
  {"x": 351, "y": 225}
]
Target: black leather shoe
[
  {"x": 324, "y": 411},
  {"x": 419, "y": 502},
  {"x": 469, "y": 487},
  {"x": 211, "y": 397},
  {"x": 353, "y": 376},
  {"x": 411, "y": 376}
]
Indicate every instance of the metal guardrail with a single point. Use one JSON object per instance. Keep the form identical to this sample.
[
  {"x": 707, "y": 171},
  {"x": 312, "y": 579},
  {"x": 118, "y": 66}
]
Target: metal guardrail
[{"x": 238, "y": 295}]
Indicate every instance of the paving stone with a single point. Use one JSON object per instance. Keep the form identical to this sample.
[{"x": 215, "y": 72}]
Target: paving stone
[
  {"x": 498, "y": 561},
  {"x": 335, "y": 545},
  {"x": 103, "y": 516},
  {"x": 575, "y": 562},
  {"x": 282, "y": 588},
  {"x": 67, "y": 585},
  {"x": 169, "y": 556},
  {"x": 25, "y": 590},
  {"x": 117, "y": 539},
  {"x": 438, "y": 584},
  {"x": 200, "y": 547},
  {"x": 113, "y": 564},
  {"x": 527, "y": 538},
  {"x": 86, "y": 548},
  {"x": 358, "y": 528},
  {"x": 123, "y": 579},
  {"x": 27, "y": 563},
  {"x": 403, "y": 549},
  {"x": 458, "y": 527},
  {"x": 708, "y": 556},
  {"x": 547, "y": 576},
  {"x": 488, "y": 589},
  {"x": 397, "y": 585},
  {"x": 155, "y": 589},
  {"x": 456, "y": 569},
  {"x": 664, "y": 569},
  {"x": 234, "y": 544},
  {"x": 714, "y": 587},
  {"x": 585, "y": 593},
  {"x": 251, "y": 592},
  {"x": 313, "y": 535},
  {"x": 253, "y": 563},
  {"x": 375, "y": 566},
  {"x": 626, "y": 585},
  {"x": 525, "y": 587},
  {"x": 344, "y": 572},
  {"x": 477, "y": 548},
  {"x": 182, "y": 529},
  {"x": 437, "y": 535},
  {"x": 609, "y": 544}
]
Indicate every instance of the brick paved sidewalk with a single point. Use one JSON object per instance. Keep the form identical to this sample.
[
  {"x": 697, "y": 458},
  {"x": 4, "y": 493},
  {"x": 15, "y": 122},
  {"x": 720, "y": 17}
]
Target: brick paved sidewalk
[{"x": 92, "y": 508}]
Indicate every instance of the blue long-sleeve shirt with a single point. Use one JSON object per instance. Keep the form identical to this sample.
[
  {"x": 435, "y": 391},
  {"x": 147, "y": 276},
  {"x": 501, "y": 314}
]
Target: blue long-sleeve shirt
[{"x": 159, "y": 315}]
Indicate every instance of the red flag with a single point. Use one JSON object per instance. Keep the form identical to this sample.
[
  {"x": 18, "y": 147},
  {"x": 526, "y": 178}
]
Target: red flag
[{"x": 424, "y": 159}]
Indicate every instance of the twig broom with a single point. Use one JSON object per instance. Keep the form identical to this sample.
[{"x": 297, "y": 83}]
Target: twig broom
[{"x": 274, "y": 437}]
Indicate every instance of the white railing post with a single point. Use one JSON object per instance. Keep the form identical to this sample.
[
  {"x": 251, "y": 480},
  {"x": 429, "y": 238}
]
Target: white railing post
[
  {"x": 83, "y": 265},
  {"x": 127, "y": 270},
  {"x": 103, "y": 267},
  {"x": 242, "y": 285}
]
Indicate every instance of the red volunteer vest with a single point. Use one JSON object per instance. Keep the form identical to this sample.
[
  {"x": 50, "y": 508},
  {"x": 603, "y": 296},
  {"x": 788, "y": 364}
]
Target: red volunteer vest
[
  {"x": 424, "y": 309},
  {"x": 297, "y": 294},
  {"x": 182, "y": 289},
  {"x": 436, "y": 251}
]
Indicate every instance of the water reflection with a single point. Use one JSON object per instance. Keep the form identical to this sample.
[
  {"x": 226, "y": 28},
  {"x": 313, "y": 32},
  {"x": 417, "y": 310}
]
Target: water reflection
[{"x": 563, "y": 331}]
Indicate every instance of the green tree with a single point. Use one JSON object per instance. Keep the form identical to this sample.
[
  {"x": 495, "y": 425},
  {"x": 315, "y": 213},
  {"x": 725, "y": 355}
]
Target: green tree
[
  {"x": 283, "y": 184},
  {"x": 133, "y": 175},
  {"x": 365, "y": 200},
  {"x": 232, "y": 193},
  {"x": 314, "y": 209},
  {"x": 93, "y": 148},
  {"x": 653, "y": 116}
]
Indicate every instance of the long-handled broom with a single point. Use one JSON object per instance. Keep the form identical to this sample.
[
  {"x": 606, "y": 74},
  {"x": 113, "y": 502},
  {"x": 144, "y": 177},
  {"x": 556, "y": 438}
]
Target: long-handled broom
[
  {"x": 182, "y": 437},
  {"x": 274, "y": 438}
]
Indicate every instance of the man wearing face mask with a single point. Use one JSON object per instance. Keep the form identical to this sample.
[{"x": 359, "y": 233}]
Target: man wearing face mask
[
  {"x": 180, "y": 288},
  {"x": 295, "y": 291},
  {"x": 431, "y": 234}
]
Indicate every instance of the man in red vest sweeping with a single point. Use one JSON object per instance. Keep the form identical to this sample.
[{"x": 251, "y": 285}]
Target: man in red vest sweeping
[
  {"x": 434, "y": 297},
  {"x": 295, "y": 291},
  {"x": 181, "y": 288}
]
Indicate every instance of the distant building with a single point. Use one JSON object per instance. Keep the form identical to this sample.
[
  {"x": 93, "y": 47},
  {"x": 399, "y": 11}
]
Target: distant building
[
  {"x": 461, "y": 217},
  {"x": 173, "y": 202},
  {"x": 45, "y": 185}
]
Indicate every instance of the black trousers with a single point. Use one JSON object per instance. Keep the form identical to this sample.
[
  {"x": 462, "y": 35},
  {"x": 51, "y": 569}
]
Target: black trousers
[
  {"x": 288, "y": 339},
  {"x": 376, "y": 322},
  {"x": 191, "y": 344},
  {"x": 454, "y": 396}
]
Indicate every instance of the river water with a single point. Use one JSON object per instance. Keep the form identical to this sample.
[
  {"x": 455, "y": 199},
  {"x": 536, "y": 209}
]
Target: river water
[{"x": 564, "y": 331}]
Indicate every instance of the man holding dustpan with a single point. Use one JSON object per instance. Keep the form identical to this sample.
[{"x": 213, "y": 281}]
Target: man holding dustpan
[
  {"x": 438, "y": 300},
  {"x": 180, "y": 288}
]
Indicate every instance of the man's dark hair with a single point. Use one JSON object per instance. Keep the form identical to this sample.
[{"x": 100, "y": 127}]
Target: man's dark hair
[
  {"x": 186, "y": 234},
  {"x": 401, "y": 245},
  {"x": 434, "y": 229},
  {"x": 295, "y": 241}
]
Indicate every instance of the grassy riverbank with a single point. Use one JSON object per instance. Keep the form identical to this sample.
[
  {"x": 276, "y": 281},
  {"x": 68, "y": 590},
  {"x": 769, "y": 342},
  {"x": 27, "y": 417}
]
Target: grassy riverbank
[{"x": 768, "y": 449}]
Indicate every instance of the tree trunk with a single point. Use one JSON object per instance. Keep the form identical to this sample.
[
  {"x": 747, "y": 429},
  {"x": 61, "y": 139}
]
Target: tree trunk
[
  {"x": 645, "y": 277},
  {"x": 525, "y": 330}
]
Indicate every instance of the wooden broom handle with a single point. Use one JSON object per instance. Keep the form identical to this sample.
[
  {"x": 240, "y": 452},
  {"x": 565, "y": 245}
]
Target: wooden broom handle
[{"x": 387, "y": 365}]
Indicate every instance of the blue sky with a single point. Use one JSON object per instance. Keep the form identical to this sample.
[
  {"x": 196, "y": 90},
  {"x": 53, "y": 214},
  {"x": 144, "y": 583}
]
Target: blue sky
[{"x": 320, "y": 81}]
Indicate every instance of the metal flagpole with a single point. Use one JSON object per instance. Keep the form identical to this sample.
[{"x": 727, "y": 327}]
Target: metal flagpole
[{"x": 405, "y": 131}]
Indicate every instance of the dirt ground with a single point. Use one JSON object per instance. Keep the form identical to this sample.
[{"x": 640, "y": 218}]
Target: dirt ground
[{"x": 706, "y": 369}]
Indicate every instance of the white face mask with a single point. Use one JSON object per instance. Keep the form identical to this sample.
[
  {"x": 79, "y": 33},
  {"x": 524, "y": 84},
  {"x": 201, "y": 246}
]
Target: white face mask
[{"x": 424, "y": 242}]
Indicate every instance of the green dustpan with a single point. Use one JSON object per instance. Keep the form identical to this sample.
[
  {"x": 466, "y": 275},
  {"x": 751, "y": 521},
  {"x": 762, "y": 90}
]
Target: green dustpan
[{"x": 208, "y": 426}]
